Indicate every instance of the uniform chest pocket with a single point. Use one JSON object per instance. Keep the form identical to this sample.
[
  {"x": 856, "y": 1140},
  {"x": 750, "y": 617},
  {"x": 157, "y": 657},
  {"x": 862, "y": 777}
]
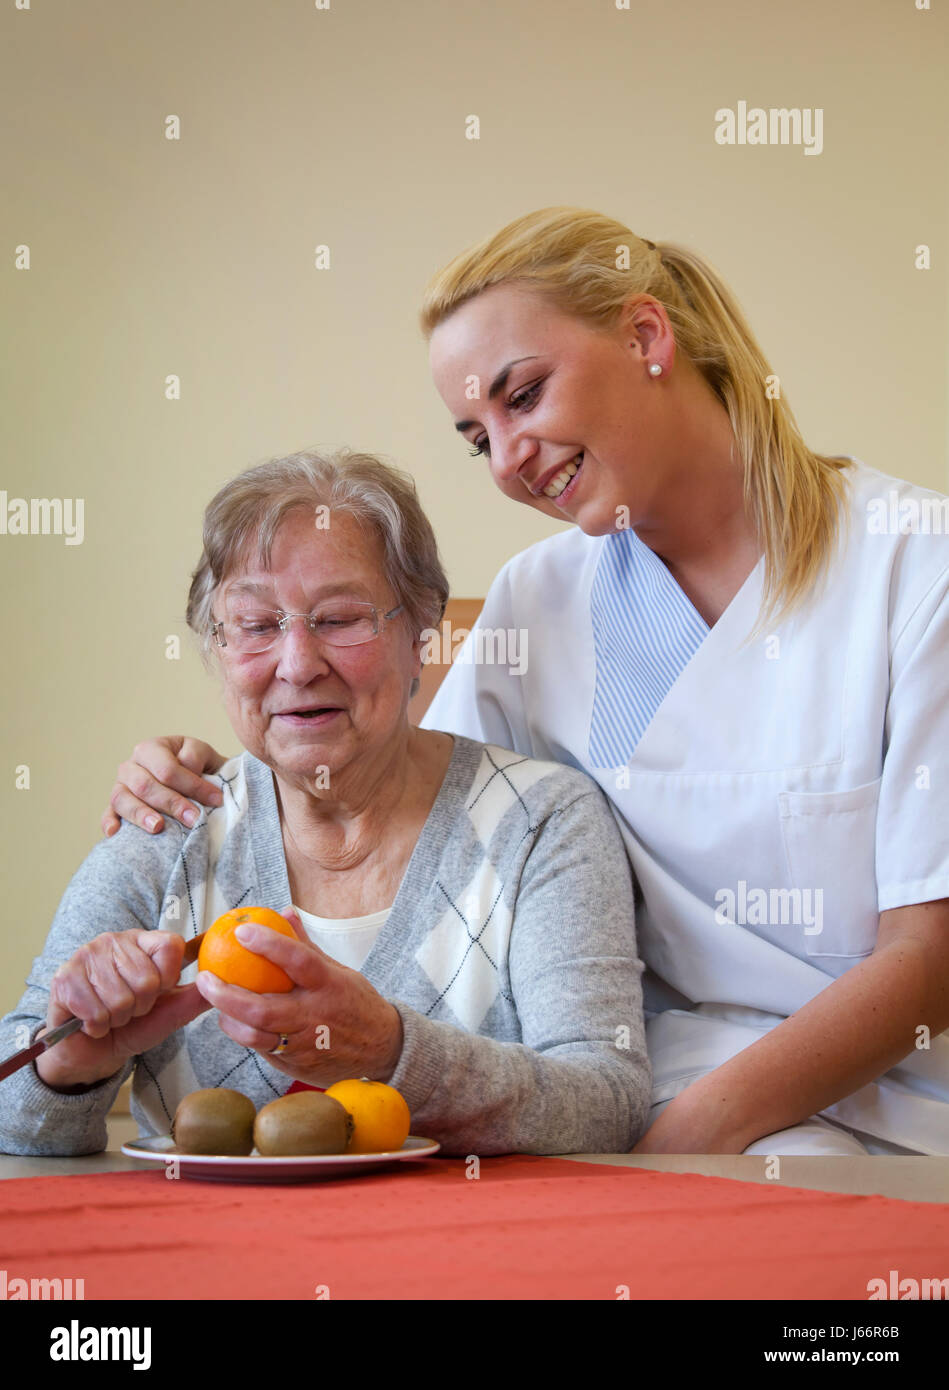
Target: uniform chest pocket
[{"x": 830, "y": 843}]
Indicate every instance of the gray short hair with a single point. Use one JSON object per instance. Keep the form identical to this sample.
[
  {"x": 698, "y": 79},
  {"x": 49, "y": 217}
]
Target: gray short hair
[{"x": 243, "y": 518}]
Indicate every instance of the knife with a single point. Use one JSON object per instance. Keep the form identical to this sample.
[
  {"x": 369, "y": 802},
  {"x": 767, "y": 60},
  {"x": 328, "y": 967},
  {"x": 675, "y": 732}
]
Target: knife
[{"x": 64, "y": 1030}]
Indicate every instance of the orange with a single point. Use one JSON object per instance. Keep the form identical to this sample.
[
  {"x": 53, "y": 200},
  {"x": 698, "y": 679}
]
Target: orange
[
  {"x": 235, "y": 964},
  {"x": 380, "y": 1115}
]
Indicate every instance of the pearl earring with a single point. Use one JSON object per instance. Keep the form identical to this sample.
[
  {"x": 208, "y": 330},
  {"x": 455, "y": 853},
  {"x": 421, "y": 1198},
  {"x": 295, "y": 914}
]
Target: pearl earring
[{"x": 655, "y": 369}]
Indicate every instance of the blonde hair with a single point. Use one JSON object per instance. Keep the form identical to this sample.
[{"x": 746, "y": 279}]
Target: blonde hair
[
  {"x": 243, "y": 518},
  {"x": 588, "y": 265}
]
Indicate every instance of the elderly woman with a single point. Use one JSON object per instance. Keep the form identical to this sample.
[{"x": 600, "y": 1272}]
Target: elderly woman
[
  {"x": 463, "y": 914},
  {"x": 746, "y": 643}
]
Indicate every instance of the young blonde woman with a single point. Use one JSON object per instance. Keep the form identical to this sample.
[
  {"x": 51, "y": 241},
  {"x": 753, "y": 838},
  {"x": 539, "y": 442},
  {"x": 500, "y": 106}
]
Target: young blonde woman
[{"x": 747, "y": 645}]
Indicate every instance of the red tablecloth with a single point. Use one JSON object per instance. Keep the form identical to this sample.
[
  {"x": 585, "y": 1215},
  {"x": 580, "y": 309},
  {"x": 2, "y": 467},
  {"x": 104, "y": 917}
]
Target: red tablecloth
[{"x": 528, "y": 1227}]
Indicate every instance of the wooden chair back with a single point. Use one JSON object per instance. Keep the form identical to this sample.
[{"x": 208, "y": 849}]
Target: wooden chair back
[{"x": 461, "y": 614}]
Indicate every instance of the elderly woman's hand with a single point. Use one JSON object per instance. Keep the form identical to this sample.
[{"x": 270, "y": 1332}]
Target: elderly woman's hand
[
  {"x": 337, "y": 1025},
  {"x": 123, "y": 985}
]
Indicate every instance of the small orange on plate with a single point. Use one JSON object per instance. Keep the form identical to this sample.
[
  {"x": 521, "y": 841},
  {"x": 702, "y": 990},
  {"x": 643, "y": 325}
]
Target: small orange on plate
[
  {"x": 233, "y": 963},
  {"x": 380, "y": 1114}
]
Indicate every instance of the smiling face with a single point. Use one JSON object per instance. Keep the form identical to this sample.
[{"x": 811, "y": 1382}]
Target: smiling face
[
  {"x": 356, "y": 696},
  {"x": 557, "y": 400}
]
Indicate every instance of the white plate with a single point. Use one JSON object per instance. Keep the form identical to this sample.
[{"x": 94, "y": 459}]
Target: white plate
[{"x": 255, "y": 1167}]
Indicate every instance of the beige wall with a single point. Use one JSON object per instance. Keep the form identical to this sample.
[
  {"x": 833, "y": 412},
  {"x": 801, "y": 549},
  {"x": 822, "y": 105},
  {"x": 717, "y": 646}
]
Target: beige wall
[{"x": 346, "y": 126}]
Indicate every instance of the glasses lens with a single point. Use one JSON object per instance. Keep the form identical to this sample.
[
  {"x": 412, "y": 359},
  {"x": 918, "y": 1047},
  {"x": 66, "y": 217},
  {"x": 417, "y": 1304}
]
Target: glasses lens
[
  {"x": 251, "y": 629},
  {"x": 346, "y": 624}
]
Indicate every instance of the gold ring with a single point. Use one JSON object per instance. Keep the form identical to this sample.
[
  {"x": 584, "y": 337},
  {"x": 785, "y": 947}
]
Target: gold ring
[{"x": 281, "y": 1045}]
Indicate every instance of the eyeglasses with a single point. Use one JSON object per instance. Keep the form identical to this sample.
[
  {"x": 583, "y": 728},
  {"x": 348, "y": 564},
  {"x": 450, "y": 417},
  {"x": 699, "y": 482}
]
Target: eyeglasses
[{"x": 249, "y": 628}]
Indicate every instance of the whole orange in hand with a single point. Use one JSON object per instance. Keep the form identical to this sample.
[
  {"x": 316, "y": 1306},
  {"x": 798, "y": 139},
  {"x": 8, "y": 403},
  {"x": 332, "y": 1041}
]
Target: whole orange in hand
[
  {"x": 381, "y": 1118},
  {"x": 233, "y": 963}
]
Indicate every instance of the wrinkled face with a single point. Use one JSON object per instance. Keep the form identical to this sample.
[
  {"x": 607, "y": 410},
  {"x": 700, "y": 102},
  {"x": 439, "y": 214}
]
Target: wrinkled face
[
  {"x": 569, "y": 418},
  {"x": 304, "y": 705}
]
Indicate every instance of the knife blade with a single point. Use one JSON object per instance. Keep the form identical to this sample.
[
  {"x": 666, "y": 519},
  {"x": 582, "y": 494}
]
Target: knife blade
[{"x": 66, "y": 1029}]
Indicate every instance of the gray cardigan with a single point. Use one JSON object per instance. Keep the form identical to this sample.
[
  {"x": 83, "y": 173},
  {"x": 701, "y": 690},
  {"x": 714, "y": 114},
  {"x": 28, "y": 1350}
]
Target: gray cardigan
[{"x": 509, "y": 952}]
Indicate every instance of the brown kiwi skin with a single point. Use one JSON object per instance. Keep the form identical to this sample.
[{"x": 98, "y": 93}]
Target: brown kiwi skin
[
  {"x": 215, "y": 1121},
  {"x": 305, "y": 1123}
]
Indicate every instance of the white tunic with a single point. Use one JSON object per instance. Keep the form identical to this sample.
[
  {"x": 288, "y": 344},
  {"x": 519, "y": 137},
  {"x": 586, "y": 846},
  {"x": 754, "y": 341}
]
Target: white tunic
[{"x": 775, "y": 796}]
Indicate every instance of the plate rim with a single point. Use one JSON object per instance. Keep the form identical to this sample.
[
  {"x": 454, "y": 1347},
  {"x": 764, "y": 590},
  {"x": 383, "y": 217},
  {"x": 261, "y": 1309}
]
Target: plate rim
[{"x": 136, "y": 1148}]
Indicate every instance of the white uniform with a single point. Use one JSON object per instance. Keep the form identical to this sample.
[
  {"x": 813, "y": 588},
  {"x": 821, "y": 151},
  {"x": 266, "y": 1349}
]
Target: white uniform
[{"x": 775, "y": 796}]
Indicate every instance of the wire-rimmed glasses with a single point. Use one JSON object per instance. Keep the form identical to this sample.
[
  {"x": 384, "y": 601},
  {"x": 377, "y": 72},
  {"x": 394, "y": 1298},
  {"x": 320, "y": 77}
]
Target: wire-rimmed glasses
[{"x": 249, "y": 628}]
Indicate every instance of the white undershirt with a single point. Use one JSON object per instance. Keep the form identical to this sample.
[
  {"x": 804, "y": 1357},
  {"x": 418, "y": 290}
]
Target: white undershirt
[{"x": 347, "y": 939}]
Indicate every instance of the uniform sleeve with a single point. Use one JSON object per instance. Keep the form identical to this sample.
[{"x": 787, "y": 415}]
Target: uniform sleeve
[
  {"x": 580, "y": 1079},
  {"x": 119, "y": 886},
  {"x": 480, "y": 699},
  {"x": 912, "y": 845}
]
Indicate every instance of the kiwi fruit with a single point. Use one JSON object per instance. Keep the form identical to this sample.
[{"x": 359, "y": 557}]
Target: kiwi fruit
[
  {"x": 308, "y": 1122},
  {"x": 216, "y": 1121}
]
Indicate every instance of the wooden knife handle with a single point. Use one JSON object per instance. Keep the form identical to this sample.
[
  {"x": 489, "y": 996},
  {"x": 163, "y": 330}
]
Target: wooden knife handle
[{"x": 192, "y": 948}]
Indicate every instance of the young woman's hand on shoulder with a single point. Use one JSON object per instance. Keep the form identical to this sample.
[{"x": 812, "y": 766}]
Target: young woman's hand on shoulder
[{"x": 159, "y": 777}]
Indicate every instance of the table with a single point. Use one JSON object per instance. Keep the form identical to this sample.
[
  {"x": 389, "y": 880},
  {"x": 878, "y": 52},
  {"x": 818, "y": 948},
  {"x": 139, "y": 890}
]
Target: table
[
  {"x": 567, "y": 1227},
  {"x": 916, "y": 1179}
]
